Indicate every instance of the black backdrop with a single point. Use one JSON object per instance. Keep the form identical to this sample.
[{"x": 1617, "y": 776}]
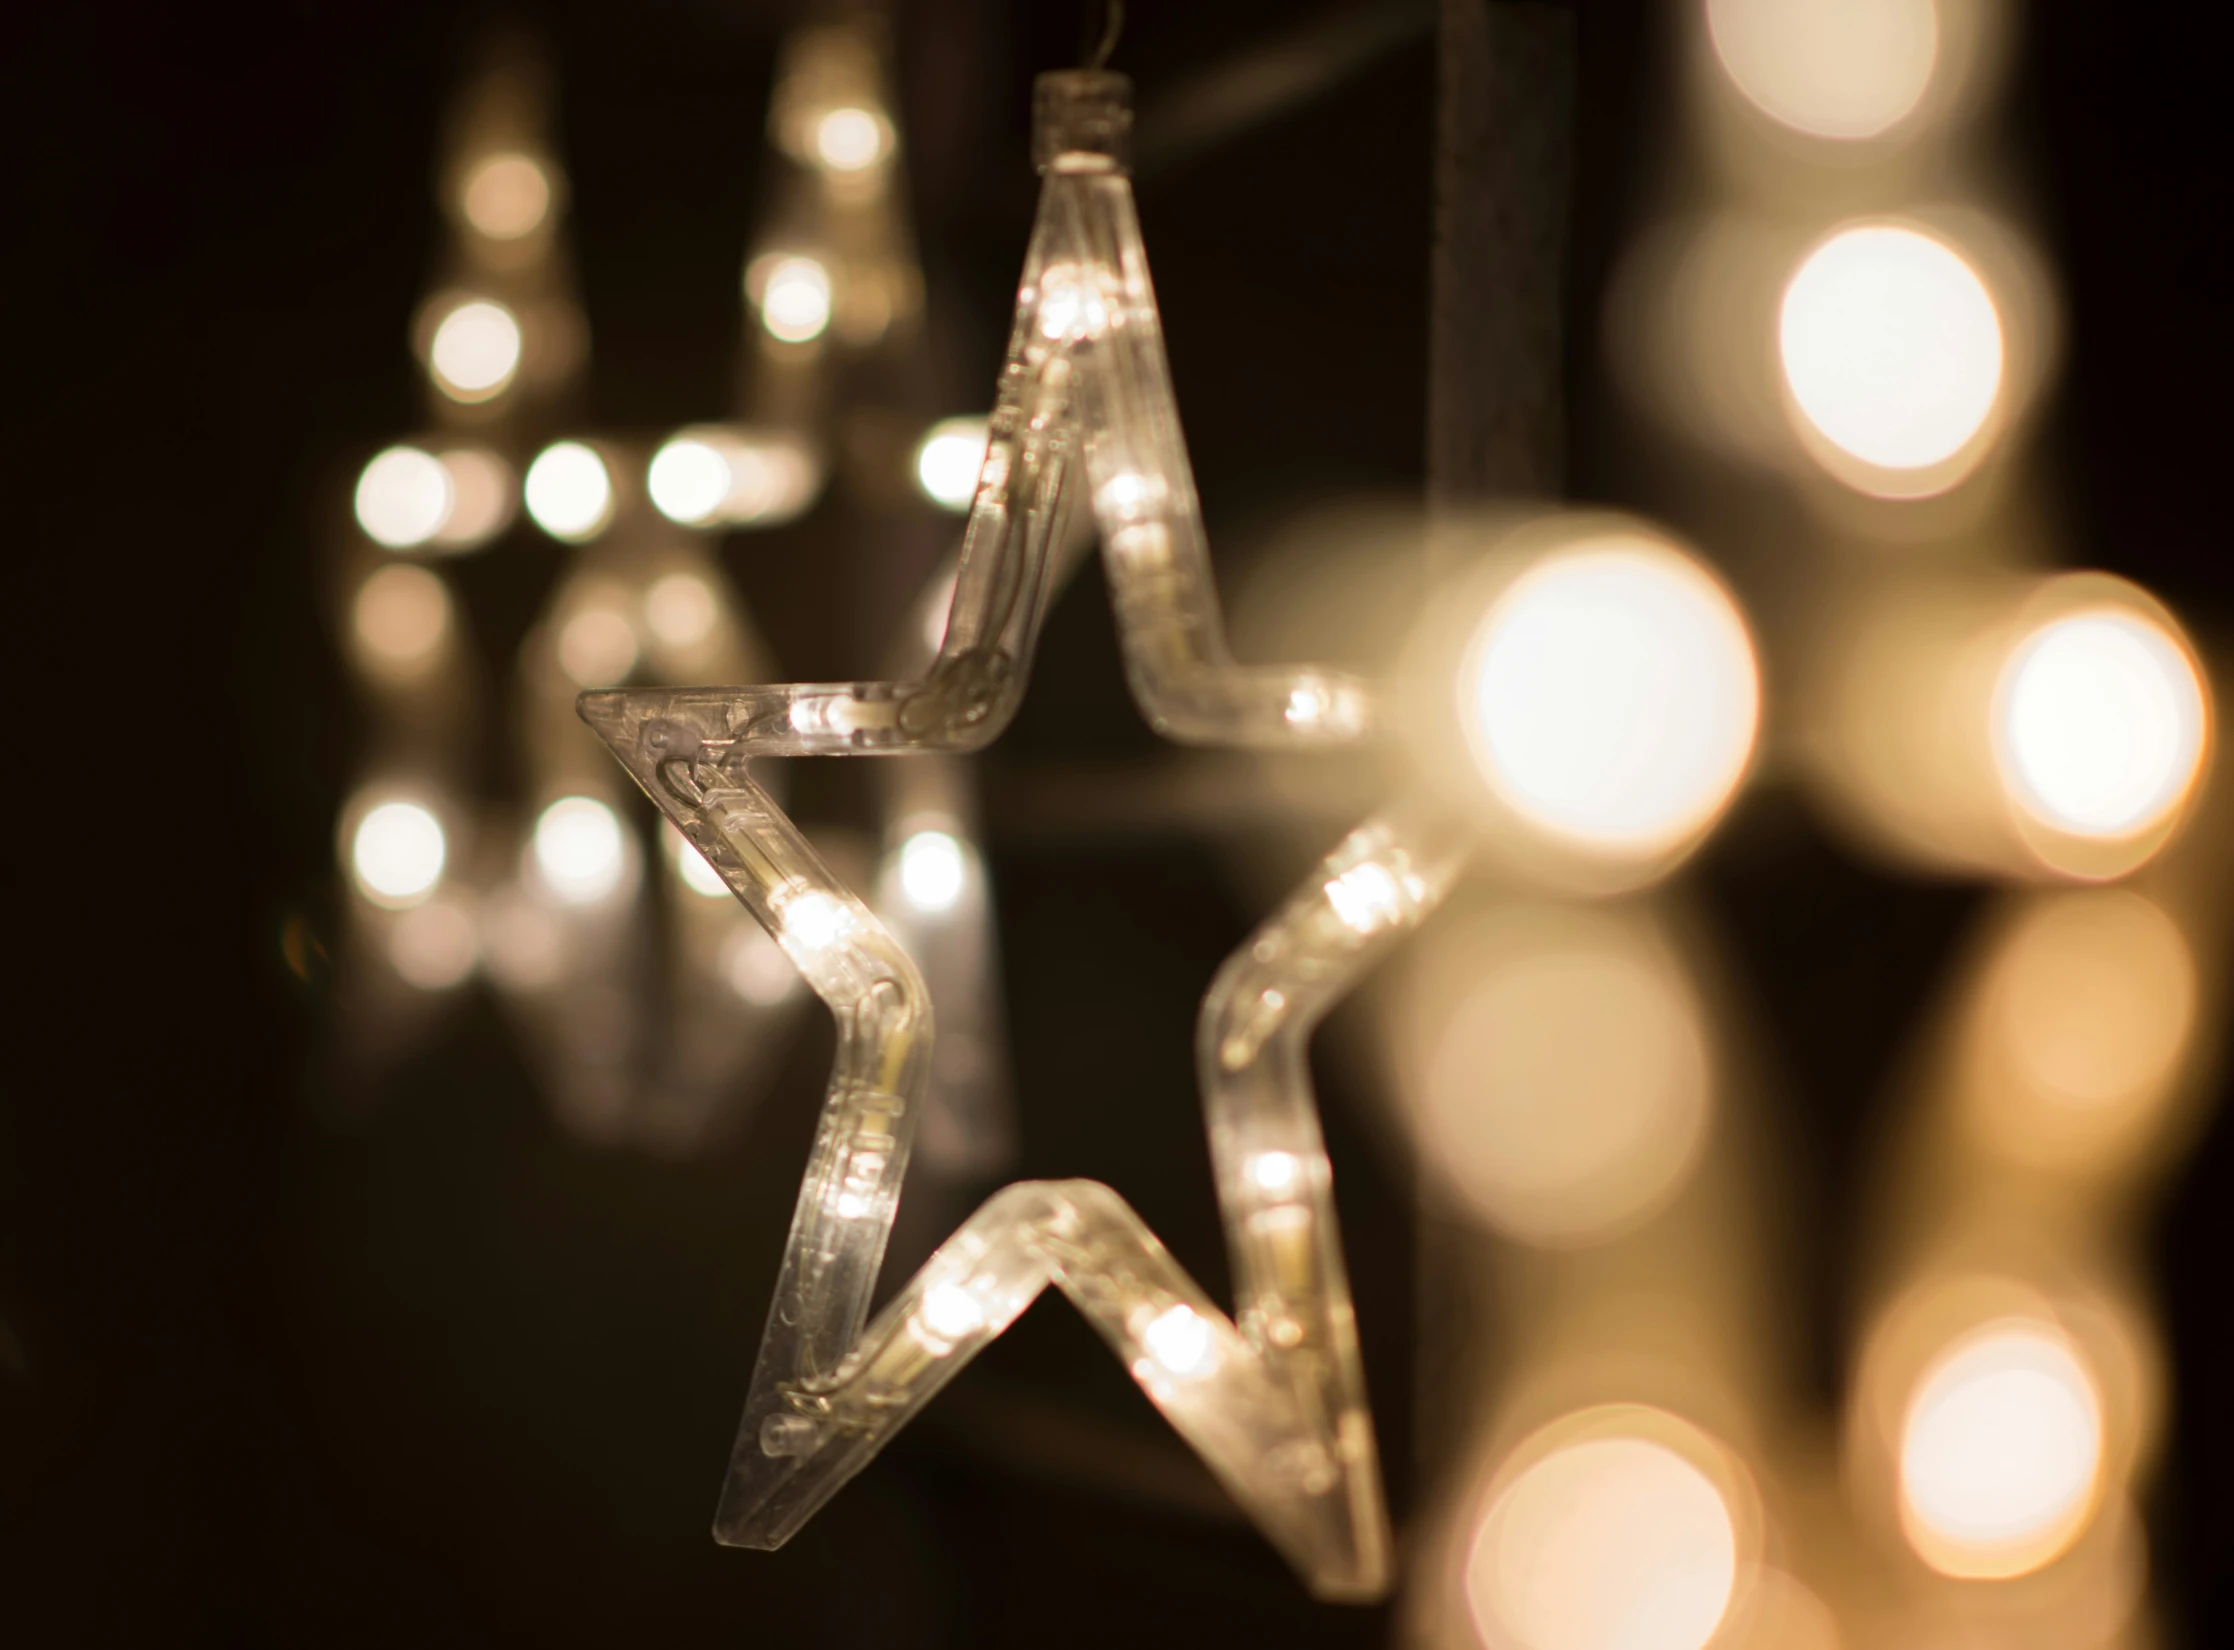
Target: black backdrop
[{"x": 271, "y": 1373}]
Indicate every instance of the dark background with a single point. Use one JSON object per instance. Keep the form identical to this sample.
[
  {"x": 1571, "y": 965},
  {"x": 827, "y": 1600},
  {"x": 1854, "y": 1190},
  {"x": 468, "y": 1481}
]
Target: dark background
[{"x": 272, "y": 1372}]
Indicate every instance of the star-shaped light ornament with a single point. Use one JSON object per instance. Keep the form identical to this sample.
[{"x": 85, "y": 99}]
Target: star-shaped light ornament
[{"x": 1273, "y": 1397}]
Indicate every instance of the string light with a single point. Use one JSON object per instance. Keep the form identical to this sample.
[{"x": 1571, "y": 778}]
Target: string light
[
  {"x": 851, "y": 140},
  {"x": 403, "y": 497},
  {"x": 401, "y": 622},
  {"x": 579, "y": 850},
  {"x": 934, "y": 869},
  {"x": 948, "y": 459},
  {"x": 507, "y": 196},
  {"x": 794, "y": 297},
  {"x": 1842, "y": 69},
  {"x": 475, "y": 350}
]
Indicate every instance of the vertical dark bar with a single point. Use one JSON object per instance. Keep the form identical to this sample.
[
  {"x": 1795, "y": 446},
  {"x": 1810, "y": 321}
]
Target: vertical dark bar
[{"x": 1504, "y": 168}]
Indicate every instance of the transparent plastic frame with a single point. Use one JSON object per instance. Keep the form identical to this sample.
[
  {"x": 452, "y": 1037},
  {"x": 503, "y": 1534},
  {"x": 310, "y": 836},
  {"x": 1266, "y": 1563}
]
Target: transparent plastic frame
[{"x": 1273, "y": 1398}]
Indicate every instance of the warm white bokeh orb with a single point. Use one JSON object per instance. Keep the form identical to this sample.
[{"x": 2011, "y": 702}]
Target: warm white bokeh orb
[
  {"x": 697, "y": 874},
  {"x": 681, "y": 609},
  {"x": 948, "y": 461},
  {"x": 476, "y": 350},
  {"x": 579, "y": 850},
  {"x": 934, "y": 869},
  {"x": 851, "y": 140},
  {"x": 403, "y": 497},
  {"x": 400, "y": 621},
  {"x": 795, "y": 295},
  {"x": 397, "y": 854},
  {"x": 597, "y": 646},
  {"x": 1847, "y": 69},
  {"x": 434, "y": 946},
  {"x": 756, "y": 967},
  {"x": 1610, "y": 697},
  {"x": 2099, "y": 723},
  {"x": 688, "y": 481},
  {"x": 569, "y": 491},
  {"x": 2001, "y": 1452},
  {"x": 1891, "y": 346},
  {"x": 482, "y": 494},
  {"x": 506, "y": 196},
  {"x": 1609, "y": 1543}
]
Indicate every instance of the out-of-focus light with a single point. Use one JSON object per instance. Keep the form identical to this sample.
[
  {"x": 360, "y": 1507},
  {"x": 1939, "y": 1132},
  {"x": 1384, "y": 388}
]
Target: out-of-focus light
[
  {"x": 1891, "y": 347},
  {"x": 434, "y": 946},
  {"x": 569, "y": 491},
  {"x": 476, "y": 350},
  {"x": 756, "y": 967},
  {"x": 403, "y": 497},
  {"x": 688, "y": 481},
  {"x": 579, "y": 851},
  {"x": 400, "y": 620},
  {"x": 948, "y": 460},
  {"x": 481, "y": 492},
  {"x": 506, "y": 196},
  {"x": 1846, "y": 69},
  {"x": 2001, "y": 1452},
  {"x": 2087, "y": 1010},
  {"x": 851, "y": 140},
  {"x": 1610, "y": 696},
  {"x": 1276, "y": 1173},
  {"x": 597, "y": 646},
  {"x": 934, "y": 869},
  {"x": 2099, "y": 724},
  {"x": 794, "y": 297},
  {"x": 698, "y": 875},
  {"x": 1181, "y": 1341},
  {"x": 397, "y": 854},
  {"x": 1566, "y": 1095},
  {"x": 681, "y": 609},
  {"x": 1610, "y": 1543}
]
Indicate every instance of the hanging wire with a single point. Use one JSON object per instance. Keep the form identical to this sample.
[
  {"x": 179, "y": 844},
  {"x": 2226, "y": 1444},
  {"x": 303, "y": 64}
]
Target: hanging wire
[{"x": 1113, "y": 25}]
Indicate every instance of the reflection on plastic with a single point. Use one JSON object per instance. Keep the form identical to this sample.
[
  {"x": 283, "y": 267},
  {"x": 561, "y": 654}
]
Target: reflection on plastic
[
  {"x": 1892, "y": 352},
  {"x": 2001, "y": 1452},
  {"x": 1844, "y": 69}
]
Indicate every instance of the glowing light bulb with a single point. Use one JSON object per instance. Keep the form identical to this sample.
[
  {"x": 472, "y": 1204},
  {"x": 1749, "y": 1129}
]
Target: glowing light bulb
[
  {"x": 934, "y": 869},
  {"x": 1366, "y": 897},
  {"x": 851, "y": 140},
  {"x": 1607, "y": 1544},
  {"x": 1891, "y": 346},
  {"x": 697, "y": 872},
  {"x": 434, "y": 946},
  {"x": 401, "y": 619},
  {"x": 476, "y": 350},
  {"x": 1181, "y": 1341},
  {"x": 397, "y": 854},
  {"x": 2001, "y": 1452},
  {"x": 1611, "y": 697},
  {"x": 507, "y": 196},
  {"x": 689, "y": 481},
  {"x": 403, "y": 497},
  {"x": 794, "y": 298},
  {"x": 1847, "y": 69},
  {"x": 948, "y": 460},
  {"x": 569, "y": 491},
  {"x": 815, "y": 920},
  {"x": 579, "y": 850},
  {"x": 1276, "y": 1173},
  {"x": 597, "y": 646},
  {"x": 681, "y": 609},
  {"x": 950, "y": 1312},
  {"x": 2100, "y": 722}
]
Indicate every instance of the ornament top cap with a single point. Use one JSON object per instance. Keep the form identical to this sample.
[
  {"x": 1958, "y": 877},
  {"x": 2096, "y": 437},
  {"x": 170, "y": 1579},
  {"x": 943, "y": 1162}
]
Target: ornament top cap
[{"x": 1082, "y": 121}]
